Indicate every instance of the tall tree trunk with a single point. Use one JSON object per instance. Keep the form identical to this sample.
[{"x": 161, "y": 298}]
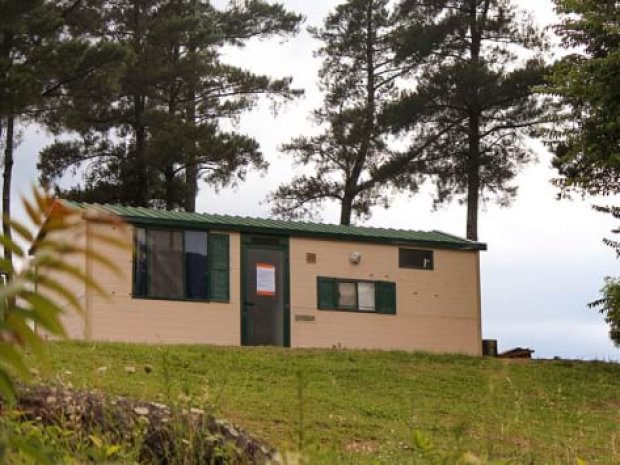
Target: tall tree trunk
[
  {"x": 140, "y": 193},
  {"x": 351, "y": 186},
  {"x": 346, "y": 209},
  {"x": 473, "y": 178},
  {"x": 473, "y": 123},
  {"x": 141, "y": 188},
  {"x": 169, "y": 187},
  {"x": 7, "y": 177},
  {"x": 173, "y": 156},
  {"x": 191, "y": 164},
  {"x": 191, "y": 172}
]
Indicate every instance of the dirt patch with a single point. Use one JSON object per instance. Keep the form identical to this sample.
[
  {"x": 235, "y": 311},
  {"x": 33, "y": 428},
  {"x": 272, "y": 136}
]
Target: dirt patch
[{"x": 362, "y": 447}]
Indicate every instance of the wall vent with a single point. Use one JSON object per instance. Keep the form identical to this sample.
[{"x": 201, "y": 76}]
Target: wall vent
[{"x": 310, "y": 257}]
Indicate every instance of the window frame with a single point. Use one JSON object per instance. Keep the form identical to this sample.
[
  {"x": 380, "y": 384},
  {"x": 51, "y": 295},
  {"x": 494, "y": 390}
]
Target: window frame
[
  {"x": 146, "y": 228},
  {"x": 356, "y": 309},
  {"x": 421, "y": 268}
]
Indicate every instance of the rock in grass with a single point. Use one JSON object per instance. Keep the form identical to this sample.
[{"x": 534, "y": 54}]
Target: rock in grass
[
  {"x": 102, "y": 370},
  {"x": 142, "y": 411},
  {"x": 118, "y": 417},
  {"x": 129, "y": 369}
]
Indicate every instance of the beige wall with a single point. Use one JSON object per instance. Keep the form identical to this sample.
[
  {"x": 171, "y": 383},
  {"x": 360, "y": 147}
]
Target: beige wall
[
  {"x": 119, "y": 317},
  {"x": 436, "y": 310},
  {"x": 72, "y": 320}
]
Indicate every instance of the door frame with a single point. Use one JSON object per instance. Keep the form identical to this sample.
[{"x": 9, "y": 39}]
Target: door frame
[{"x": 270, "y": 242}]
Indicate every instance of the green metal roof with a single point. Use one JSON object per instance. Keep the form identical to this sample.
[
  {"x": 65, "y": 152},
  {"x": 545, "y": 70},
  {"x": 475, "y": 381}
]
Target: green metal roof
[{"x": 149, "y": 216}]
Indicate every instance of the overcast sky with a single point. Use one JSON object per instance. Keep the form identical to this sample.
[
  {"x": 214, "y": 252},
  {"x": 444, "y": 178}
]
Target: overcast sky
[{"x": 546, "y": 258}]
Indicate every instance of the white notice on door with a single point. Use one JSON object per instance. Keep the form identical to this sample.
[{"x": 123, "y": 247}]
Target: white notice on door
[{"x": 265, "y": 279}]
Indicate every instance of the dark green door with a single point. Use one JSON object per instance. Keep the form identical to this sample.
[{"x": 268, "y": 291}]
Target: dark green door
[{"x": 265, "y": 293}]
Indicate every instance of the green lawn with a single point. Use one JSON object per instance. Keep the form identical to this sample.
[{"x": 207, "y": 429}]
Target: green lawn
[{"x": 363, "y": 407}]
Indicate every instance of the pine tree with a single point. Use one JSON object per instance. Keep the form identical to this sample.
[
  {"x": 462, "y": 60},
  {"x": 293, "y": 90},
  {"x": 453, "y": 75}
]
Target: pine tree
[
  {"x": 20, "y": 25},
  {"x": 38, "y": 62},
  {"x": 480, "y": 93},
  {"x": 160, "y": 133},
  {"x": 358, "y": 77}
]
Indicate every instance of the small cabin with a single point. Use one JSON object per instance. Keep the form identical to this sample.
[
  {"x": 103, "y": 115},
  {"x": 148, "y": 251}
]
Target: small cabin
[{"x": 197, "y": 278}]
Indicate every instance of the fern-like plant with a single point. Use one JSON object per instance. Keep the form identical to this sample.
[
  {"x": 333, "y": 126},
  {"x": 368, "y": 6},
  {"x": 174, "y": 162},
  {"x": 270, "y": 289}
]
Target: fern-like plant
[{"x": 33, "y": 296}]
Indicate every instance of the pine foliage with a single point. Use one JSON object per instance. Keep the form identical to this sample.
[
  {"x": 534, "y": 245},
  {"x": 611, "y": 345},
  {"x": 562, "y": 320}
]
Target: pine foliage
[
  {"x": 358, "y": 77},
  {"x": 150, "y": 140},
  {"x": 480, "y": 91},
  {"x": 39, "y": 63}
]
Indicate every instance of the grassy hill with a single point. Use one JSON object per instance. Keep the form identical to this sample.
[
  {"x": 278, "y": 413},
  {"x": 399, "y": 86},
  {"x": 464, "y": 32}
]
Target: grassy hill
[{"x": 364, "y": 407}]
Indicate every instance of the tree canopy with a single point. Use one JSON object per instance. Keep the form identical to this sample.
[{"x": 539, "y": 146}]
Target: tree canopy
[
  {"x": 587, "y": 137},
  {"x": 479, "y": 91},
  {"x": 358, "y": 77},
  {"x": 39, "y": 62},
  {"x": 150, "y": 141}
]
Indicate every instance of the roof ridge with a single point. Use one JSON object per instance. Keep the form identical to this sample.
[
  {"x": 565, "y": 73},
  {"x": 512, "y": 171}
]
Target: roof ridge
[{"x": 280, "y": 220}]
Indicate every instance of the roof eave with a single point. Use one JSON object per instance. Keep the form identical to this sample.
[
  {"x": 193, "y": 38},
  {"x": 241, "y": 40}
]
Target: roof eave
[{"x": 294, "y": 232}]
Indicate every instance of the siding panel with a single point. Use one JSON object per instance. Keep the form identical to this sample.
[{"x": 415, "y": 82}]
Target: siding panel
[
  {"x": 73, "y": 321},
  {"x": 120, "y": 317},
  {"x": 435, "y": 310}
]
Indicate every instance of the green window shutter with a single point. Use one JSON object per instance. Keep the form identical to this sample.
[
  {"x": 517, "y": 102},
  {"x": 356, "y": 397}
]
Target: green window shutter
[
  {"x": 218, "y": 273},
  {"x": 327, "y": 293},
  {"x": 385, "y": 296}
]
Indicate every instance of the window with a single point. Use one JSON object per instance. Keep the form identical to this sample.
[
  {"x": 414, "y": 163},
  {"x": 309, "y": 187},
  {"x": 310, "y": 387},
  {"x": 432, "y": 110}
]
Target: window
[
  {"x": 181, "y": 265},
  {"x": 357, "y": 296},
  {"x": 366, "y": 297},
  {"x": 415, "y": 258},
  {"x": 196, "y": 264},
  {"x": 347, "y": 295},
  {"x": 165, "y": 264}
]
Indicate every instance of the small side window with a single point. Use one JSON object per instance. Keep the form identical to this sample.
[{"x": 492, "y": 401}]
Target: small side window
[
  {"x": 356, "y": 296},
  {"x": 416, "y": 258}
]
